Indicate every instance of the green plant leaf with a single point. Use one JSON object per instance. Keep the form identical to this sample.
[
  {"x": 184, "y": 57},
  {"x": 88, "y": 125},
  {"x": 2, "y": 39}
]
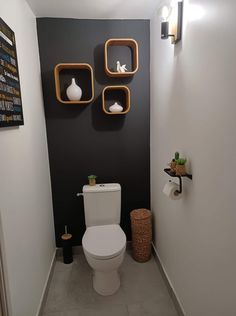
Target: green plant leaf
[
  {"x": 92, "y": 176},
  {"x": 181, "y": 161},
  {"x": 176, "y": 155}
]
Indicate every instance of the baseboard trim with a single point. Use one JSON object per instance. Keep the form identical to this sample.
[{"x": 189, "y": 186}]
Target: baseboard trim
[
  {"x": 46, "y": 286},
  {"x": 168, "y": 283}
]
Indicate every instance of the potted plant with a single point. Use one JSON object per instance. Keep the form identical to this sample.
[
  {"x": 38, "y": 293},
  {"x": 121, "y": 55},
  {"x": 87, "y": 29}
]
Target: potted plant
[
  {"x": 172, "y": 164},
  {"x": 180, "y": 167},
  {"x": 92, "y": 179}
]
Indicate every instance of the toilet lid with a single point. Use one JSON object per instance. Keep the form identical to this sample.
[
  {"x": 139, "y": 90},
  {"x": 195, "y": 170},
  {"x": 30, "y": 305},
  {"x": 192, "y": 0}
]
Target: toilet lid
[{"x": 104, "y": 242}]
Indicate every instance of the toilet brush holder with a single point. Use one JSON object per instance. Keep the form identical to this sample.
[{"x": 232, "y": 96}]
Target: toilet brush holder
[{"x": 67, "y": 247}]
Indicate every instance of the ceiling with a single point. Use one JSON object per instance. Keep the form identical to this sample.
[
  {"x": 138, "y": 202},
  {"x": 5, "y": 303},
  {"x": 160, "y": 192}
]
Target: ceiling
[{"x": 94, "y": 9}]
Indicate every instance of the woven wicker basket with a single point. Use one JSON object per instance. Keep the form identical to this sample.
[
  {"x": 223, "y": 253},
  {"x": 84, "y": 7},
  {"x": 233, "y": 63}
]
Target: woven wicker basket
[{"x": 141, "y": 225}]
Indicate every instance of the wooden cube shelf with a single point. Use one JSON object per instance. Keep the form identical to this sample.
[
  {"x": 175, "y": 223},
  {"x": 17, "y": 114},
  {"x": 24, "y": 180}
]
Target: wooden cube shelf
[
  {"x": 83, "y": 73},
  {"x": 120, "y": 94},
  {"x": 122, "y": 43}
]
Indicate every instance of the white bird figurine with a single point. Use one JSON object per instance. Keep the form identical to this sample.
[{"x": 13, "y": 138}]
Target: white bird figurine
[{"x": 120, "y": 68}]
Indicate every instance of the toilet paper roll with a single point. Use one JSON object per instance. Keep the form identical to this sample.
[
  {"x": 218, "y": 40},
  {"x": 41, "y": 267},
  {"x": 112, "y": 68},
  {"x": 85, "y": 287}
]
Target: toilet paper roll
[{"x": 170, "y": 190}]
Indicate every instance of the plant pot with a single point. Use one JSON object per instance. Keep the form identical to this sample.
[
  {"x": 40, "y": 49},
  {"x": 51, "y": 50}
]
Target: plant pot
[
  {"x": 92, "y": 181},
  {"x": 172, "y": 165},
  {"x": 180, "y": 170}
]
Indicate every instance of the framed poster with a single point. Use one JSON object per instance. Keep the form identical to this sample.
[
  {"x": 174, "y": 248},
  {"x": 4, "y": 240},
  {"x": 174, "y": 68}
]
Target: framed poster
[{"x": 11, "y": 113}]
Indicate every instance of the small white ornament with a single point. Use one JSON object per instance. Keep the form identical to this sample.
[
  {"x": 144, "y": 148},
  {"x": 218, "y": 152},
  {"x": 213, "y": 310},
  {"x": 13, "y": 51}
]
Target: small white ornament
[
  {"x": 115, "y": 108},
  {"x": 74, "y": 92},
  {"x": 120, "y": 68}
]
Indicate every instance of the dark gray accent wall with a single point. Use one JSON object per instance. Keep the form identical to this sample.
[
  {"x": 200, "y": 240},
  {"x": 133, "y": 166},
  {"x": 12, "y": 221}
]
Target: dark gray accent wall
[{"x": 83, "y": 140}]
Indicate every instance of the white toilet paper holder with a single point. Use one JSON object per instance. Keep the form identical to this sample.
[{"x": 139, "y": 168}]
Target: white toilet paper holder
[{"x": 171, "y": 174}]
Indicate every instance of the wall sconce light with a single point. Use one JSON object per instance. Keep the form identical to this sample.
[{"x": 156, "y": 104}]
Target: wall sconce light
[{"x": 171, "y": 25}]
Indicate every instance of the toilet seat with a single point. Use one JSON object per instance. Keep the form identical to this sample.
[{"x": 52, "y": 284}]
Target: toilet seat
[{"x": 104, "y": 242}]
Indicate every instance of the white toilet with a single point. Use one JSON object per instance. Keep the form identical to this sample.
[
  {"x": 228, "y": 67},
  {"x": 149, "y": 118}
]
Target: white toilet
[{"x": 104, "y": 242}]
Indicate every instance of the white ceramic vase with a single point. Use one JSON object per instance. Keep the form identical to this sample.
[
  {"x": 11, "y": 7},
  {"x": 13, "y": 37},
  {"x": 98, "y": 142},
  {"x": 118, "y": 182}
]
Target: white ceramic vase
[
  {"x": 115, "y": 108},
  {"x": 74, "y": 92}
]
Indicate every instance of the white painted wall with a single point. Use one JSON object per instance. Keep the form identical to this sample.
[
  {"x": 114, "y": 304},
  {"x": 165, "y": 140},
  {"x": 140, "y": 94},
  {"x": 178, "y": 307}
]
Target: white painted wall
[
  {"x": 193, "y": 95},
  {"x": 25, "y": 194}
]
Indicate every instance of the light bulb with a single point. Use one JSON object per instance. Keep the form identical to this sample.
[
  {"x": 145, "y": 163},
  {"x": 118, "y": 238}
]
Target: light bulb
[{"x": 165, "y": 13}]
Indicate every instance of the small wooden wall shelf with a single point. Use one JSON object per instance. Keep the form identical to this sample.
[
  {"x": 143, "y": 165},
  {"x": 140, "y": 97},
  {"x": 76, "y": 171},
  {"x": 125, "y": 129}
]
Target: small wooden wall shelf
[
  {"x": 83, "y": 73},
  {"x": 128, "y": 42},
  {"x": 120, "y": 94}
]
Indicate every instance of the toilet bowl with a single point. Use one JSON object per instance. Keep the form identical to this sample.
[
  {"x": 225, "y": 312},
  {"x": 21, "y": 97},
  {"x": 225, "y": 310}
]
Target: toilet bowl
[{"x": 104, "y": 248}]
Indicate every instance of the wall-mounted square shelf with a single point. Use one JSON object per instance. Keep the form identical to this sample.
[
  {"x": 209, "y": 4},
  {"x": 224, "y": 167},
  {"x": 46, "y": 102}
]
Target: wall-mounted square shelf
[
  {"x": 120, "y": 94},
  {"x": 83, "y": 73},
  {"x": 126, "y": 51}
]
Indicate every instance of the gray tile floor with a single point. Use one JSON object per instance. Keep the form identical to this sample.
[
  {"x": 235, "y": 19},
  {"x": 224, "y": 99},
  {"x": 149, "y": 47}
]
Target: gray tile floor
[{"x": 142, "y": 292}]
